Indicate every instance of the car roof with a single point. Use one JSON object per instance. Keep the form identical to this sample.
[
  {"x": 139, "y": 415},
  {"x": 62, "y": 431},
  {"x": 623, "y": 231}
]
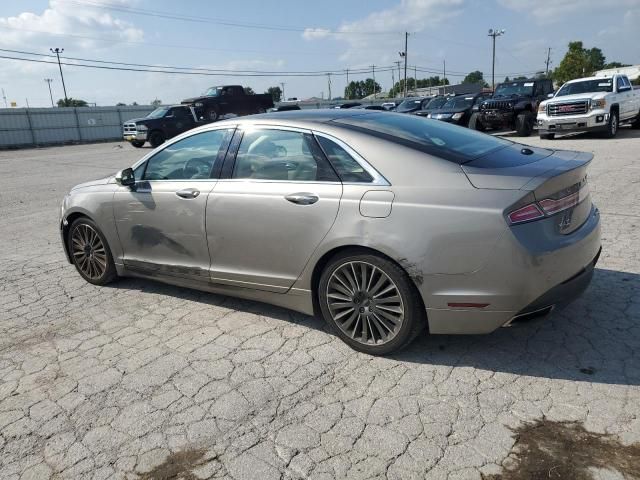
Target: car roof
[{"x": 307, "y": 115}]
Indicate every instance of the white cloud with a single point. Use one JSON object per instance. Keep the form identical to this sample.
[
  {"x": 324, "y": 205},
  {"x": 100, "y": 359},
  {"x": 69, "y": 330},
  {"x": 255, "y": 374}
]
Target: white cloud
[
  {"x": 557, "y": 10},
  {"x": 367, "y": 38},
  {"x": 78, "y": 23}
]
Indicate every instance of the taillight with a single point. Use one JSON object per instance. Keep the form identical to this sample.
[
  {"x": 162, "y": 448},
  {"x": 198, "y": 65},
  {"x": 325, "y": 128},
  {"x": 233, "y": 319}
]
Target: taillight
[
  {"x": 549, "y": 206},
  {"x": 526, "y": 214}
]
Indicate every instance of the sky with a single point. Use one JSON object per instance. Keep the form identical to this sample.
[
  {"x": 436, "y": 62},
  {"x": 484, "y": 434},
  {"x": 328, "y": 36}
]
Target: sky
[{"x": 286, "y": 36}]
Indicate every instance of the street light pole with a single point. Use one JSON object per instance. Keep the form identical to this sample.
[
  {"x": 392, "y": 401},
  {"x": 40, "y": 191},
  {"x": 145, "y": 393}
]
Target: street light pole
[
  {"x": 494, "y": 33},
  {"x": 49, "y": 80},
  {"x": 283, "y": 98},
  {"x": 406, "y": 41},
  {"x": 58, "y": 51}
]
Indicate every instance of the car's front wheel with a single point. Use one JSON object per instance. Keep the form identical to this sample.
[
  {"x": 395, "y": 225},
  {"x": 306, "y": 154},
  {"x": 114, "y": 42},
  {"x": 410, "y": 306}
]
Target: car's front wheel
[
  {"x": 370, "y": 302},
  {"x": 475, "y": 123},
  {"x": 90, "y": 252},
  {"x": 524, "y": 123},
  {"x": 137, "y": 143}
]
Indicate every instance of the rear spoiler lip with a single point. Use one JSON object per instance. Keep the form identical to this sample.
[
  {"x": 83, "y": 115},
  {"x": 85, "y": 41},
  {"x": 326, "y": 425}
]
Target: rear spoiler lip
[{"x": 582, "y": 159}]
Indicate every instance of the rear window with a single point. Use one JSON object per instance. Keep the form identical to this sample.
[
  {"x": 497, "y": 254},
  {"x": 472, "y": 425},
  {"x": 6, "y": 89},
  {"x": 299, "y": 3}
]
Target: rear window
[{"x": 449, "y": 142}]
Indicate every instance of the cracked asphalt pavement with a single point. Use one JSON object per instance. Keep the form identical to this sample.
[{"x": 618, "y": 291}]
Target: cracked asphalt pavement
[{"x": 144, "y": 380}]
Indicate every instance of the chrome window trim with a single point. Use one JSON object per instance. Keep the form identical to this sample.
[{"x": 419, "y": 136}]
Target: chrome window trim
[
  {"x": 182, "y": 136},
  {"x": 378, "y": 178}
]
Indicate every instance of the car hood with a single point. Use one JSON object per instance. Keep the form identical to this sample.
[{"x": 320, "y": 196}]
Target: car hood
[
  {"x": 577, "y": 96},
  {"x": 137, "y": 120},
  {"x": 93, "y": 183}
]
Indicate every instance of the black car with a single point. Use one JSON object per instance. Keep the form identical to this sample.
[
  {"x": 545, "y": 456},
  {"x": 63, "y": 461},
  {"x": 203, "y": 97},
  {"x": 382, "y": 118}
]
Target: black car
[
  {"x": 285, "y": 108},
  {"x": 433, "y": 104},
  {"x": 348, "y": 105},
  {"x": 514, "y": 105},
  {"x": 411, "y": 104},
  {"x": 160, "y": 125},
  {"x": 458, "y": 109}
]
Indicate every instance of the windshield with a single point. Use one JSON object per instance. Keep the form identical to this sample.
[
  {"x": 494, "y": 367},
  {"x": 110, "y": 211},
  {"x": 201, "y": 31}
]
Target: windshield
[
  {"x": 158, "y": 112},
  {"x": 458, "y": 102},
  {"x": 409, "y": 104},
  {"x": 587, "y": 86},
  {"x": 212, "y": 92},
  {"x": 436, "y": 102},
  {"x": 449, "y": 142},
  {"x": 515, "y": 88}
]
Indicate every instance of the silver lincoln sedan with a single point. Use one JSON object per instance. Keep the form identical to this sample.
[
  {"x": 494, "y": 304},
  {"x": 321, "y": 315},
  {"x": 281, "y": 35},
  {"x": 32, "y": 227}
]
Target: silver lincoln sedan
[{"x": 382, "y": 223}]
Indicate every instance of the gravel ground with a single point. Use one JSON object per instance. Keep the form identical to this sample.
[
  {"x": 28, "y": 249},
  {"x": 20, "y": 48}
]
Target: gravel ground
[{"x": 144, "y": 380}]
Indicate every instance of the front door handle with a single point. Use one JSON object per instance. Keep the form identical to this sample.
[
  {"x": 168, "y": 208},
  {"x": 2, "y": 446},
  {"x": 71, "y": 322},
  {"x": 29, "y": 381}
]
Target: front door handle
[
  {"x": 302, "y": 198},
  {"x": 188, "y": 193}
]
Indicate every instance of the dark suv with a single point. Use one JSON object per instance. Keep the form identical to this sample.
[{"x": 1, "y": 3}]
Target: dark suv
[{"x": 513, "y": 105}]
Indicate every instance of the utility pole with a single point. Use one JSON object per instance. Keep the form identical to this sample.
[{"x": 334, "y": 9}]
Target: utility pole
[
  {"x": 329, "y": 84},
  {"x": 399, "y": 76},
  {"x": 494, "y": 33},
  {"x": 347, "y": 76},
  {"x": 49, "y": 80},
  {"x": 444, "y": 76},
  {"x": 58, "y": 51},
  {"x": 373, "y": 72},
  {"x": 393, "y": 80},
  {"x": 546, "y": 73},
  {"x": 4, "y": 97},
  {"x": 415, "y": 77},
  {"x": 282, "y": 93},
  {"x": 406, "y": 41}
]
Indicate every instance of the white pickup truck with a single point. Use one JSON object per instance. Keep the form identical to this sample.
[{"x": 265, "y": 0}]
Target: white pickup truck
[{"x": 590, "y": 104}]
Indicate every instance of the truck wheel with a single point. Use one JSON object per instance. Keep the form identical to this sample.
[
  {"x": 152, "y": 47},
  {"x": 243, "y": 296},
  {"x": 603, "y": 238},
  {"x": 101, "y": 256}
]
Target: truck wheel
[
  {"x": 475, "y": 123},
  {"x": 612, "y": 126},
  {"x": 156, "y": 138},
  {"x": 636, "y": 122},
  {"x": 137, "y": 143},
  {"x": 212, "y": 115},
  {"x": 547, "y": 136},
  {"x": 524, "y": 123}
]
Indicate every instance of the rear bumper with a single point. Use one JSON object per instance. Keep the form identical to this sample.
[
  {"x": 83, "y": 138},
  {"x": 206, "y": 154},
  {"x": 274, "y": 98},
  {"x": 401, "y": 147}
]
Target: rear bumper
[{"x": 519, "y": 278}]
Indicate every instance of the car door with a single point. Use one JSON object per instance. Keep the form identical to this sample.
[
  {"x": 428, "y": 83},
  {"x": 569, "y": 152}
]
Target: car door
[
  {"x": 275, "y": 202},
  {"x": 161, "y": 220}
]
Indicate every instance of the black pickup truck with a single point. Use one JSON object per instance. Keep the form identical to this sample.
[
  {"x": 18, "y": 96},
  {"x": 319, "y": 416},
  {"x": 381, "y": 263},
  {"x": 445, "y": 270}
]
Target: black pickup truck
[
  {"x": 514, "y": 106},
  {"x": 219, "y": 101},
  {"x": 160, "y": 125}
]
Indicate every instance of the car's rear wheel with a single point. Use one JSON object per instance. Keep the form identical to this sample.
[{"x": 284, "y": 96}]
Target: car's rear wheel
[
  {"x": 547, "y": 136},
  {"x": 524, "y": 123},
  {"x": 475, "y": 123},
  {"x": 90, "y": 252},
  {"x": 156, "y": 138},
  {"x": 370, "y": 302},
  {"x": 137, "y": 143},
  {"x": 212, "y": 115}
]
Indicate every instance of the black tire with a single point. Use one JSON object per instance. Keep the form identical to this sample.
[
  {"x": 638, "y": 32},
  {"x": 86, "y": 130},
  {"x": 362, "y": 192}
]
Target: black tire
[
  {"x": 212, "y": 115},
  {"x": 413, "y": 316},
  {"x": 636, "y": 122},
  {"x": 137, "y": 143},
  {"x": 613, "y": 125},
  {"x": 156, "y": 138},
  {"x": 475, "y": 123},
  {"x": 547, "y": 136},
  {"x": 108, "y": 274},
  {"x": 524, "y": 123}
]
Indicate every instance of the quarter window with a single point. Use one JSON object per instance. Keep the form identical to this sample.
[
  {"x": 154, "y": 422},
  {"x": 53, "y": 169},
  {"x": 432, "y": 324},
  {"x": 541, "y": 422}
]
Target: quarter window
[
  {"x": 190, "y": 158},
  {"x": 280, "y": 155},
  {"x": 347, "y": 167}
]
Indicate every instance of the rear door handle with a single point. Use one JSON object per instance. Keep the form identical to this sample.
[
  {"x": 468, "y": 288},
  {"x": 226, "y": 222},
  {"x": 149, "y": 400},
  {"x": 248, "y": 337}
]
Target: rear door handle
[
  {"x": 302, "y": 198},
  {"x": 188, "y": 193}
]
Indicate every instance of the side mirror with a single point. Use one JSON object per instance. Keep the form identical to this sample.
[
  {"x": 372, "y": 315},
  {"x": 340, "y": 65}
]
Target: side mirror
[
  {"x": 125, "y": 177},
  {"x": 550, "y": 95}
]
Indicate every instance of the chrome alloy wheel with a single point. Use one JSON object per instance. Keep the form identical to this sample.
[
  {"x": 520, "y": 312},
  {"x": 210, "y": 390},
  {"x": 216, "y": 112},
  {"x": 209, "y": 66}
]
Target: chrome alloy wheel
[
  {"x": 365, "y": 303},
  {"x": 88, "y": 251}
]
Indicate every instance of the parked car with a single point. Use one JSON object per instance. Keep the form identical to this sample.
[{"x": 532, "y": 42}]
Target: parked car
[
  {"x": 348, "y": 105},
  {"x": 513, "y": 106},
  {"x": 371, "y": 107},
  {"x": 219, "y": 101},
  {"x": 411, "y": 104},
  {"x": 433, "y": 104},
  {"x": 285, "y": 108},
  {"x": 389, "y": 105},
  {"x": 384, "y": 224},
  {"x": 598, "y": 104},
  {"x": 160, "y": 125},
  {"x": 458, "y": 109}
]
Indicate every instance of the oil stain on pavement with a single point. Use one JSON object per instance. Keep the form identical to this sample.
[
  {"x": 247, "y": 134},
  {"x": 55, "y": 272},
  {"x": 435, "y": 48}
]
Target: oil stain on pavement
[{"x": 565, "y": 450}]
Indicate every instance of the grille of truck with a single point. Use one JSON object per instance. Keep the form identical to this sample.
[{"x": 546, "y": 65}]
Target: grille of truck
[
  {"x": 497, "y": 105},
  {"x": 129, "y": 128},
  {"x": 568, "y": 108}
]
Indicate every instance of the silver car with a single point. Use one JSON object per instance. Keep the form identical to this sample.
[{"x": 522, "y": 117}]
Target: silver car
[{"x": 385, "y": 224}]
